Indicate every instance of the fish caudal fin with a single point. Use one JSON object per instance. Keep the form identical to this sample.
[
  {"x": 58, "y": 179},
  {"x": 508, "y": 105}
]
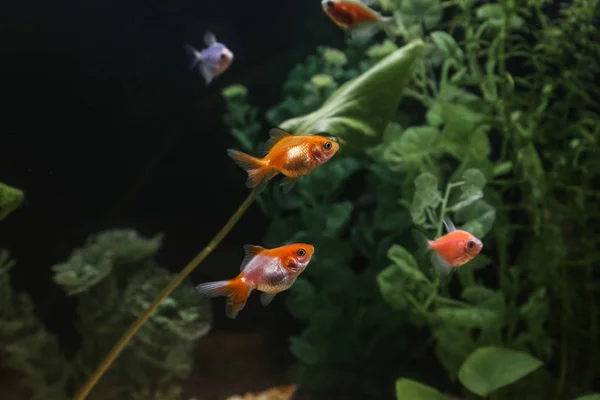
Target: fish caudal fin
[
  {"x": 422, "y": 242},
  {"x": 258, "y": 173},
  {"x": 235, "y": 290}
]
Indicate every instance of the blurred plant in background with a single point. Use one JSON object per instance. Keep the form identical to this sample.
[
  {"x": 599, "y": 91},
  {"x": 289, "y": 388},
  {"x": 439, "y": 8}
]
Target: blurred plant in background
[
  {"x": 498, "y": 128},
  {"x": 115, "y": 278}
]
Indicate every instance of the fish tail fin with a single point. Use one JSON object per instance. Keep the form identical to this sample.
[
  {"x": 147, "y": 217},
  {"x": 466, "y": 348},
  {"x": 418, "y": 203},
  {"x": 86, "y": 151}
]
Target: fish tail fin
[
  {"x": 258, "y": 173},
  {"x": 196, "y": 61},
  {"x": 235, "y": 290},
  {"x": 422, "y": 242},
  {"x": 193, "y": 54}
]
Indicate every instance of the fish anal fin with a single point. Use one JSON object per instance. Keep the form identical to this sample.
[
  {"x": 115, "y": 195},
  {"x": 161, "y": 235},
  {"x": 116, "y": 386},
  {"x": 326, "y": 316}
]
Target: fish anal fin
[
  {"x": 205, "y": 72},
  {"x": 251, "y": 251},
  {"x": 422, "y": 243},
  {"x": 365, "y": 30},
  {"x": 287, "y": 183},
  {"x": 266, "y": 298},
  {"x": 236, "y": 301},
  {"x": 276, "y": 135},
  {"x": 440, "y": 267}
]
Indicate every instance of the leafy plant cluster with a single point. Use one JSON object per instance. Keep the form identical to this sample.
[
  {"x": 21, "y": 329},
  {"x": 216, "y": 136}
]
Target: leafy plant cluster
[
  {"x": 115, "y": 278},
  {"x": 503, "y": 142}
]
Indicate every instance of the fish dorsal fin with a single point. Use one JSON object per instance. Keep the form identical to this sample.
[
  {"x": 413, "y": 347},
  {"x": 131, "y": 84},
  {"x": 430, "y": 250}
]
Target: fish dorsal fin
[
  {"x": 448, "y": 224},
  {"x": 276, "y": 135},
  {"x": 251, "y": 252},
  {"x": 209, "y": 38}
]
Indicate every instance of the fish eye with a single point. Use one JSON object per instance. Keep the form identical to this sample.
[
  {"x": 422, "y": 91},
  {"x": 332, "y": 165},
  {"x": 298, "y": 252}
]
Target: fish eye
[
  {"x": 329, "y": 4},
  {"x": 470, "y": 244},
  {"x": 327, "y": 145},
  {"x": 301, "y": 252}
]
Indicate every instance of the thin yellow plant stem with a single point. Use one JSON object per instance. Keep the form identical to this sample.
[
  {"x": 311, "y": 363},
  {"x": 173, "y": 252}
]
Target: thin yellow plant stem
[{"x": 120, "y": 345}]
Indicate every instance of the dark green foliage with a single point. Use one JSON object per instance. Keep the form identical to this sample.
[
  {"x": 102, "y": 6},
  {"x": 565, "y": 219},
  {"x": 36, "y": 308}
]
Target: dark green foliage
[
  {"x": 510, "y": 155},
  {"x": 115, "y": 279},
  {"x": 10, "y": 199}
]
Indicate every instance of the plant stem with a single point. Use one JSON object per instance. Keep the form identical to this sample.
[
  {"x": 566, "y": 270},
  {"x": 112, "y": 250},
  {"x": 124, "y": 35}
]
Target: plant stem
[{"x": 120, "y": 345}]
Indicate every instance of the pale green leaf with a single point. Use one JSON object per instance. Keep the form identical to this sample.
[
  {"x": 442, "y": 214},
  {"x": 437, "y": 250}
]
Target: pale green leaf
[
  {"x": 448, "y": 45},
  {"x": 10, "y": 199},
  {"x": 337, "y": 216},
  {"x": 399, "y": 254},
  {"x": 593, "y": 396},
  {"x": 407, "y": 389},
  {"x": 474, "y": 181},
  {"x": 421, "y": 12},
  {"x": 304, "y": 351},
  {"x": 426, "y": 195},
  {"x": 468, "y": 317},
  {"x": 494, "y": 14},
  {"x": 488, "y": 369},
  {"x": 434, "y": 115},
  {"x": 358, "y": 112},
  {"x": 478, "y": 218}
]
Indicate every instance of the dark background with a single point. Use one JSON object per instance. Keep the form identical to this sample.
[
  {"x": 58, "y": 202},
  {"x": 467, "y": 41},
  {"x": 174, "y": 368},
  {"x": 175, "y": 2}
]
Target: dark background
[{"x": 104, "y": 126}]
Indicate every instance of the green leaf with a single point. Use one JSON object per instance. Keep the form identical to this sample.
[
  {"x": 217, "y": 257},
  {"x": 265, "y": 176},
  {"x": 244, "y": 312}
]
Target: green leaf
[
  {"x": 464, "y": 135},
  {"x": 474, "y": 181},
  {"x": 434, "y": 115},
  {"x": 382, "y": 50},
  {"x": 413, "y": 146},
  {"x": 399, "y": 255},
  {"x": 494, "y": 15},
  {"x": 358, "y": 112},
  {"x": 10, "y": 199},
  {"x": 448, "y": 45},
  {"x": 490, "y": 368},
  {"x": 468, "y": 317},
  {"x": 337, "y": 216},
  {"x": 421, "y": 12},
  {"x": 426, "y": 195},
  {"x": 304, "y": 351},
  {"x": 407, "y": 389},
  {"x": 235, "y": 92},
  {"x": 479, "y": 218},
  {"x": 593, "y": 396}
]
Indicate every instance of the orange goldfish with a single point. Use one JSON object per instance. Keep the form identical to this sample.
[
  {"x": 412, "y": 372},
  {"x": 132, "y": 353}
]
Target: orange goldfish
[
  {"x": 454, "y": 249},
  {"x": 290, "y": 155},
  {"x": 356, "y": 18},
  {"x": 269, "y": 270}
]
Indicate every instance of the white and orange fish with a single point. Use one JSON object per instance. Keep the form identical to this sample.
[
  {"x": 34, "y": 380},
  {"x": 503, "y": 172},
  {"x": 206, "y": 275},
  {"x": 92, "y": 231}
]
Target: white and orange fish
[
  {"x": 270, "y": 271},
  {"x": 291, "y": 155},
  {"x": 211, "y": 61},
  {"x": 356, "y": 18},
  {"x": 452, "y": 250}
]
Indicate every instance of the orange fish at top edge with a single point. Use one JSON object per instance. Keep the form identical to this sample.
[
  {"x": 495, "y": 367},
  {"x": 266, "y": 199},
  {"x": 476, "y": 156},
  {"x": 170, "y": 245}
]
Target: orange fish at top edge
[
  {"x": 454, "y": 249},
  {"x": 356, "y": 18},
  {"x": 270, "y": 271},
  {"x": 291, "y": 155}
]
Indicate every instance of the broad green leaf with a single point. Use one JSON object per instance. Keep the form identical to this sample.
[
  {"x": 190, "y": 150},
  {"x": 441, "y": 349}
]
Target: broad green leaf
[
  {"x": 390, "y": 290},
  {"x": 464, "y": 135},
  {"x": 407, "y": 389},
  {"x": 421, "y": 12},
  {"x": 304, "y": 351},
  {"x": 235, "y": 92},
  {"x": 474, "y": 181},
  {"x": 399, "y": 254},
  {"x": 301, "y": 301},
  {"x": 488, "y": 369},
  {"x": 382, "y": 50},
  {"x": 448, "y": 45},
  {"x": 477, "y": 294},
  {"x": 358, "y": 112},
  {"x": 426, "y": 195},
  {"x": 453, "y": 346},
  {"x": 414, "y": 146},
  {"x": 471, "y": 317},
  {"x": 479, "y": 218},
  {"x": 593, "y": 396},
  {"x": 434, "y": 115},
  {"x": 337, "y": 216},
  {"x": 494, "y": 14},
  {"x": 10, "y": 199}
]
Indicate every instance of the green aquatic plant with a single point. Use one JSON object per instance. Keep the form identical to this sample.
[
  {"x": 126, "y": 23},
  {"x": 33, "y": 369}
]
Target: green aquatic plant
[
  {"x": 114, "y": 278},
  {"x": 10, "y": 199},
  {"x": 234, "y": 94}
]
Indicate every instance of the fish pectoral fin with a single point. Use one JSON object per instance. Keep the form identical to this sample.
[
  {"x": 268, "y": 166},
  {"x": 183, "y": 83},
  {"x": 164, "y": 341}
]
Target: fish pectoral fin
[
  {"x": 251, "y": 251},
  {"x": 287, "y": 183},
  {"x": 266, "y": 298},
  {"x": 276, "y": 135},
  {"x": 209, "y": 38}
]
